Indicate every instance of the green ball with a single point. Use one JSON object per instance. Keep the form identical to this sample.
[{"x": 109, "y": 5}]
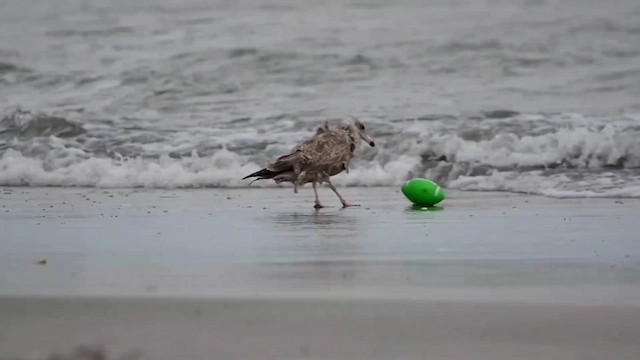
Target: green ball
[{"x": 423, "y": 192}]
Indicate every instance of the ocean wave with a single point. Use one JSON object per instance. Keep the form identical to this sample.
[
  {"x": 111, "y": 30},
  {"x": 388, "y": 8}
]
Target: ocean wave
[
  {"x": 560, "y": 155},
  {"x": 625, "y": 184},
  {"x": 7, "y": 68},
  {"x": 223, "y": 169},
  {"x": 109, "y": 31},
  {"x": 25, "y": 124},
  {"x": 467, "y": 45}
]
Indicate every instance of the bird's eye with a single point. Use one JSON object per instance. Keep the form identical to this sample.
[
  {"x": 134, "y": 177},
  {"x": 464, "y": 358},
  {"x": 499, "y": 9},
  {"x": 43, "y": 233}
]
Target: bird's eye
[{"x": 361, "y": 127}]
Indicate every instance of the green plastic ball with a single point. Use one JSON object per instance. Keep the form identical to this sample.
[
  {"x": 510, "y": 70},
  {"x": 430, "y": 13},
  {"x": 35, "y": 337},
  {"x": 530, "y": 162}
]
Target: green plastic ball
[{"x": 423, "y": 192}]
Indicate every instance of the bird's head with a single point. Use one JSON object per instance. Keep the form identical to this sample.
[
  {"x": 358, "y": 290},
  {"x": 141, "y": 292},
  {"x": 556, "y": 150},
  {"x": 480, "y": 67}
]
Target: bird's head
[{"x": 357, "y": 131}]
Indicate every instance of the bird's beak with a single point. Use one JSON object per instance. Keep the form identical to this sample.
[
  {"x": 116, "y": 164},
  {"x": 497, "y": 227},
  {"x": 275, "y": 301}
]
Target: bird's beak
[{"x": 367, "y": 139}]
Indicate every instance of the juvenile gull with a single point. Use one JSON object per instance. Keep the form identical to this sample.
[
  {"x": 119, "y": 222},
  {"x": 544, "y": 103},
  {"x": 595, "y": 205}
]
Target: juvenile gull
[{"x": 327, "y": 153}]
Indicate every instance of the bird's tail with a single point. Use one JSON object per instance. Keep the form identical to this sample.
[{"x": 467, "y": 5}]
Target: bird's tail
[
  {"x": 263, "y": 174},
  {"x": 282, "y": 165}
]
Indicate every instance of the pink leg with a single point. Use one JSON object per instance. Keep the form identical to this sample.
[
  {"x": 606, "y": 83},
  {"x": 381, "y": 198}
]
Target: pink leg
[
  {"x": 343, "y": 201},
  {"x": 315, "y": 191}
]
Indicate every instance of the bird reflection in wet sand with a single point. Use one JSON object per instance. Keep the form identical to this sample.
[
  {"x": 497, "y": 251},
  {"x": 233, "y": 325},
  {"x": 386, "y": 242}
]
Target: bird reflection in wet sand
[
  {"x": 327, "y": 153},
  {"x": 321, "y": 248},
  {"x": 319, "y": 235},
  {"x": 318, "y": 221}
]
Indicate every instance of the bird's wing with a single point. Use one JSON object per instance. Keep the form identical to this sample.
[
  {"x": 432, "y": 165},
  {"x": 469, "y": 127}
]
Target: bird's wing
[
  {"x": 285, "y": 162},
  {"x": 328, "y": 149},
  {"x": 325, "y": 147}
]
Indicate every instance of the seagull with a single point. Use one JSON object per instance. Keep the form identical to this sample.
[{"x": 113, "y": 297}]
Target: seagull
[{"x": 327, "y": 153}]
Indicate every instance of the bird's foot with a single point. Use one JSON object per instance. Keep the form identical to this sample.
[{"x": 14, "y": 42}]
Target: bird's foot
[
  {"x": 317, "y": 205},
  {"x": 346, "y": 205}
]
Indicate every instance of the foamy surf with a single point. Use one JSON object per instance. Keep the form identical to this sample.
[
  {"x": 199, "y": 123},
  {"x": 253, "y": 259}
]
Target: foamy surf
[{"x": 559, "y": 155}]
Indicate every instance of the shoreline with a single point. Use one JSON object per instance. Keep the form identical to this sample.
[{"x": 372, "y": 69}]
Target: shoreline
[{"x": 585, "y": 196}]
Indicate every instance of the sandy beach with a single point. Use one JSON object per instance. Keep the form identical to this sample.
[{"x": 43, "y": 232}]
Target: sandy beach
[{"x": 259, "y": 274}]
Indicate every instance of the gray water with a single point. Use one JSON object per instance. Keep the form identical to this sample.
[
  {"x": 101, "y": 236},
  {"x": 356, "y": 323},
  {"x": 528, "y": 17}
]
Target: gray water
[{"x": 526, "y": 96}]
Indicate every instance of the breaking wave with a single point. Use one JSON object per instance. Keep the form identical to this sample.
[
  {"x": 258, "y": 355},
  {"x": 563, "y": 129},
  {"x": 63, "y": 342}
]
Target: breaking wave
[
  {"x": 25, "y": 124},
  {"x": 559, "y": 155}
]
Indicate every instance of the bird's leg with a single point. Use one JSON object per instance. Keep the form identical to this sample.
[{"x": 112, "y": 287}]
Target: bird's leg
[
  {"x": 343, "y": 201},
  {"x": 315, "y": 191},
  {"x": 299, "y": 175}
]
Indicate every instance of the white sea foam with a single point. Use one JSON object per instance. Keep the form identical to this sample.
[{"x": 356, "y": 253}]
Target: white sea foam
[
  {"x": 557, "y": 185},
  {"x": 222, "y": 169},
  {"x": 557, "y": 155}
]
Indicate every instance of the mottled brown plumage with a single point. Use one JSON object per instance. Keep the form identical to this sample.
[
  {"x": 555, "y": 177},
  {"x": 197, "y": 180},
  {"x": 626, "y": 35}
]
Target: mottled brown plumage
[{"x": 327, "y": 153}]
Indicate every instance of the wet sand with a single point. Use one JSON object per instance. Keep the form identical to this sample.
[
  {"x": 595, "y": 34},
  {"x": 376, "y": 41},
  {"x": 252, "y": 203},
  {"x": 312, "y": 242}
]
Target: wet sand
[{"x": 259, "y": 274}]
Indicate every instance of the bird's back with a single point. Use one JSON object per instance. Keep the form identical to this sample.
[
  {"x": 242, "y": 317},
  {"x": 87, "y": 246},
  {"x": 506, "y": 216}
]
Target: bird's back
[{"x": 328, "y": 149}]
